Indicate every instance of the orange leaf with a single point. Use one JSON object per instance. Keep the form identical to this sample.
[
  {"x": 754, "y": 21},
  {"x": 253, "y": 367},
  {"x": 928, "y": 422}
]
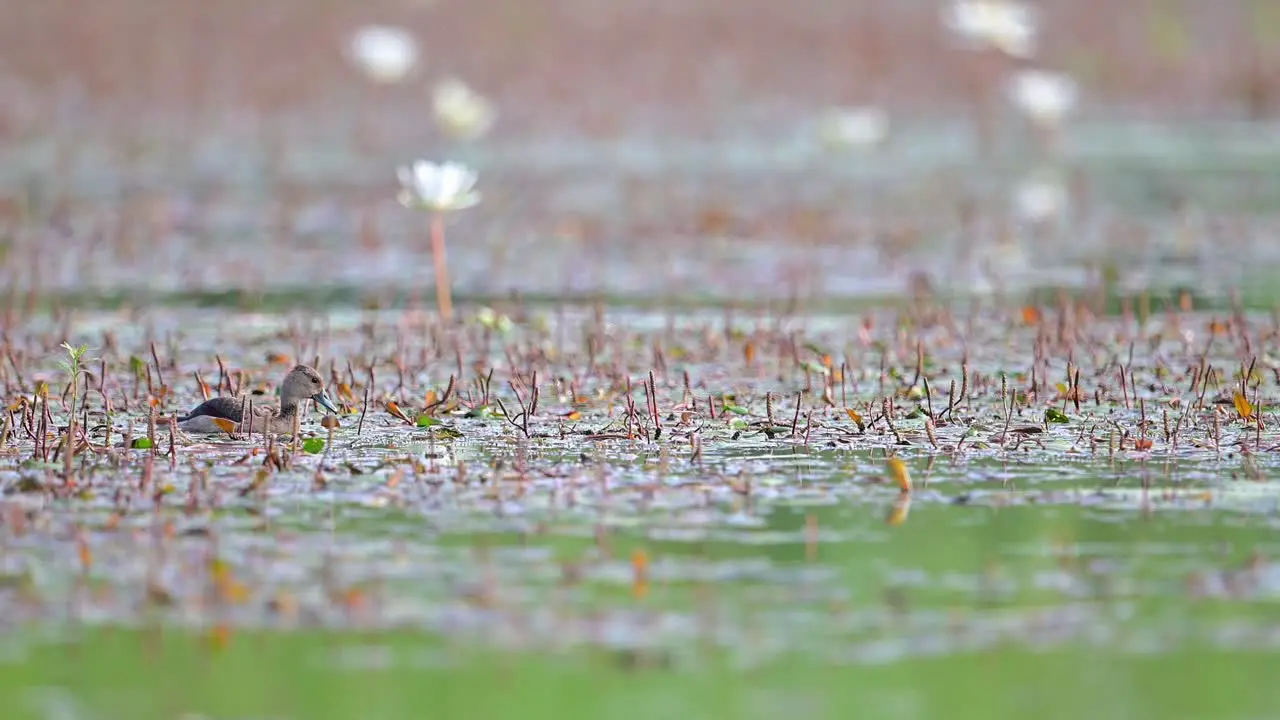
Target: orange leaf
[
  {"x": 640, "y": 568},
  {"x": 220, "y": 636},
  {"x": 431, "y": 398},
  {"x": 714, "y": 221},
  {"x": 395, "y": 410},
  {"x": 1243, "y": 406},
  {"x": 277, "y": 359},
  {"x": 1142, "y": 444},
  {"x": 749, "y": 352},
  {"x": 344, "y": 392},
  {"x": 855, "y": 417},
  {"x": 573, "y": 415},
  {"x": 225, "y": 425},
  {"x": 898, "y": 471},
  {"x": 1030, "y": 315}
]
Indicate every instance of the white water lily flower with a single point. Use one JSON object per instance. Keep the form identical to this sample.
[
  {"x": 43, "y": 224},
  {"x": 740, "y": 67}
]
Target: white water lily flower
[
  {"x": 439, "y": 187},
  {"x": 1046, "y": 97},
  {"x": 1040, "y": 198},
  {"x": 1006, "y": 25},
  {"x": 385, "y": 53},
  {"x": 853, "y": 127},
  {"x": 461, "y": 112}
]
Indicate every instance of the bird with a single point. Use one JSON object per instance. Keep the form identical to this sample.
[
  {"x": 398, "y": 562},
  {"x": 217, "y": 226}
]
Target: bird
[{"x": 300, "y": 384}]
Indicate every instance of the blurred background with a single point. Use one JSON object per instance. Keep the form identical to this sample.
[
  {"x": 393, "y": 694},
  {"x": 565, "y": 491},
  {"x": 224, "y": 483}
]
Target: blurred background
[{"x": 636, "y": 148}]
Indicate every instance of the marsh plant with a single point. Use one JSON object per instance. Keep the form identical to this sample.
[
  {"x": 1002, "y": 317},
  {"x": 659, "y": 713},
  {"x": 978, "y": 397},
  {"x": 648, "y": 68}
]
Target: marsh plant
[
  {"x": 1046, "y": 99},
  {"x": 384, "y": 53},
  {"x": 461, "y": 112},
  {"x": 73, "y": 367},
  {"x": 439, "y": 189},
  {"x": 853, "y": 128}
]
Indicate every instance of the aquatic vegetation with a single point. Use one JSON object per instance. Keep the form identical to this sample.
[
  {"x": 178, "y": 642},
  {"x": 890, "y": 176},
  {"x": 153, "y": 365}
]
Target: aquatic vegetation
[
  {"x": 853, "y": 128},
  {"x": 439, "y": 189},
  {"x": 385, "y": 53},
  {"x": 461, "y": 112},
  {"x": 1003, "y": 24}
]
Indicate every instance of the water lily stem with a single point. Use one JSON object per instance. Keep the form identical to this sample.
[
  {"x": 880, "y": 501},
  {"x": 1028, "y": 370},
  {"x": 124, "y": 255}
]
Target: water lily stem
[{"x": 444, "y": 299}]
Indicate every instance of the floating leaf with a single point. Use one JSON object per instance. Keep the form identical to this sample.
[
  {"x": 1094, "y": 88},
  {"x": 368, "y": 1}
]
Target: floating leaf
[
  {"x": 1030, "y": 315},
  {"x": 138, "y": 366},
  {"x": 427, "y": 421},
  {"x": 735, "y": 409},
  {"x": 225, "y": 425},
  {"x": 856, "y": 418},
  {"x": 749, "y": 352},
  {"x": 898, "y": 471},
  {"x": 1243, "y": 406},
  {"x": 314, "y": 445},
  {"x": 142, "y": 443},
  {"x": 444, "y": 432},
  {"x": 396, "y": 412},
  {"x": 1142, "y": 444},
  {"x": 1054, "y": 415}
]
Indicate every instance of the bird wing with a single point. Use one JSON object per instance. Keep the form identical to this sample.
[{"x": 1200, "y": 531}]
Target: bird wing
[{"x": 222, "y": 407}]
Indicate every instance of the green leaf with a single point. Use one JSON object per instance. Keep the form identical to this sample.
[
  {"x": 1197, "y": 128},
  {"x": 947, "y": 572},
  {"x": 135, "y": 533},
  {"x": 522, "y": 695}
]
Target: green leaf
[
  {"x": 314, "y": 445},
  {"x": 1055, "y": 415},
  {"x": 138, "y": 367},
  {"x": 142, "y": 443},
  {"x": 735, "y": 409},
  {"x": 427, "y": 421}
]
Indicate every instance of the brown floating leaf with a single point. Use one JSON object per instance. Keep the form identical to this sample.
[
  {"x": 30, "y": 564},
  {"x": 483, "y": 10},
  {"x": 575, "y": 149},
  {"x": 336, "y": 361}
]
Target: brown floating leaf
[
  {"x": 278, "y": 359},
  {"x": 1030, "y": 315},
  {"x": 395, "y": 411},
  {"x": 856, "y": 418},
  {"x": 225, "y": 425}
]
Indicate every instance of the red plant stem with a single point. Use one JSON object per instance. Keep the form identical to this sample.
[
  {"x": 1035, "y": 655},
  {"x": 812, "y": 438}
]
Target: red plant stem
[{"x": 444, "y": 299}]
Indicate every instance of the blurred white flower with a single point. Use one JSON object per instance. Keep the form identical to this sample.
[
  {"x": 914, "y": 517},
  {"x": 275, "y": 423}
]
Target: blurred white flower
[
  {"x": 1040, "y": 197},
  {"x": 461, "y": 112},
  {"x": 384, "y": 52},
  {"x": 1045, "y": 97},
  {"x": 1006, "y": 25},
  {"x": 437, "y": 187},
  {"x": 853, "y": 127}
]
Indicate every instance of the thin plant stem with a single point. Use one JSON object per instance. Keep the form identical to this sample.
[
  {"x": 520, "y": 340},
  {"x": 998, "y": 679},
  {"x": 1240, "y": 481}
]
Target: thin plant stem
[{"x": 444, "y": 298}]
